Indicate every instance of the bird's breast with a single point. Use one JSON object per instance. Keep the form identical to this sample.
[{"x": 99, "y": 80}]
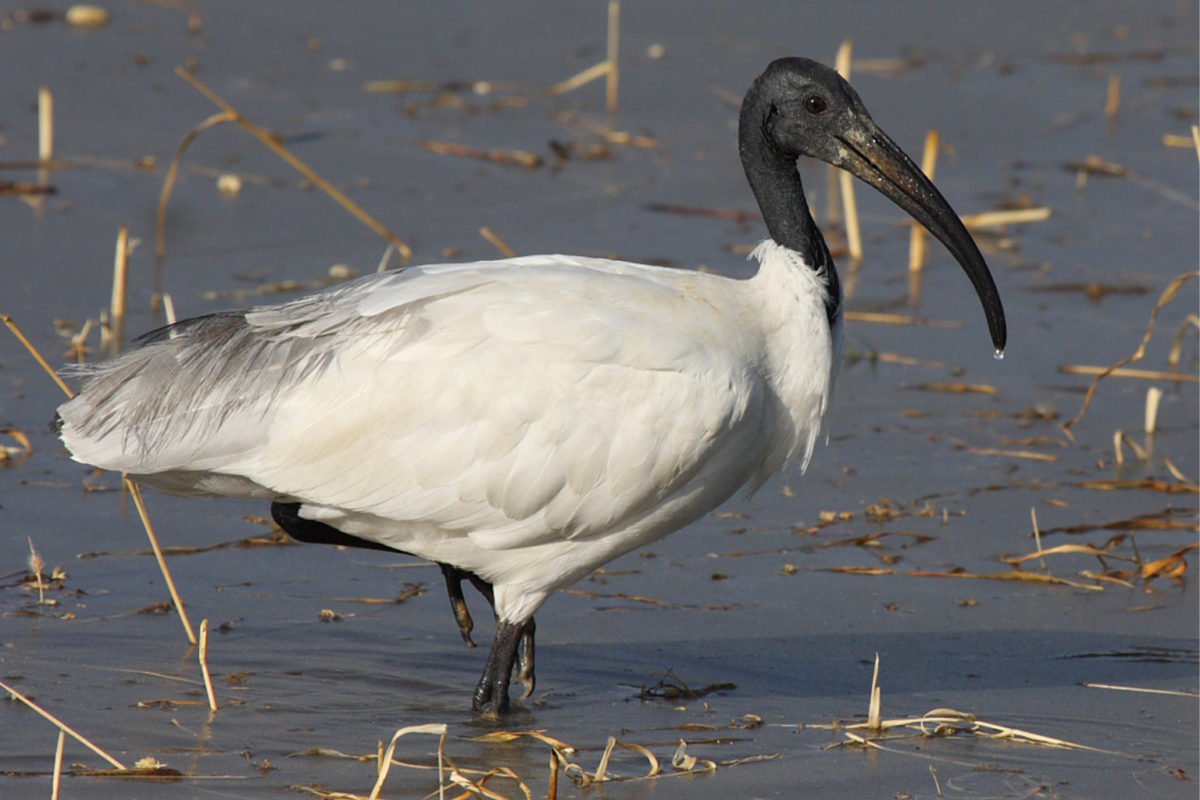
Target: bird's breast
[{"x": 800, "y": 349}]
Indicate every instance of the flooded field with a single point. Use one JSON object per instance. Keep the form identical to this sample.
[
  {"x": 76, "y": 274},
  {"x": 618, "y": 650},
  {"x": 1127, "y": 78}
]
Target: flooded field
[{"x": 746, "y": 636}]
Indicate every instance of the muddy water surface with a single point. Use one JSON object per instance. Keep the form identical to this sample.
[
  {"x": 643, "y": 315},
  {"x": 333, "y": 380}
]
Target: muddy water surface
[{"x": 787, "y": 596}]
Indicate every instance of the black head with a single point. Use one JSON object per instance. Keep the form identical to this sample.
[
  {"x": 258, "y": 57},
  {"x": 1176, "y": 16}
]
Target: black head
[
  {"x": 798, "y": 107},
  {"x": 809, "y": 109}
]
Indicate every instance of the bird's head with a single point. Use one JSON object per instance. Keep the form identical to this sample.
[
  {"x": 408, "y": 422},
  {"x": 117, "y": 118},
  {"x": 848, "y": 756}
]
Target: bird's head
[{"x": 804, "y": 108}]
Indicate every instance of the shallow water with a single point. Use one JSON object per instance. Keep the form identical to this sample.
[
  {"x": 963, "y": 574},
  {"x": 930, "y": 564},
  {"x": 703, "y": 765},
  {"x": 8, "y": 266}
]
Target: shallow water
[{"x": 746, "y": 596}]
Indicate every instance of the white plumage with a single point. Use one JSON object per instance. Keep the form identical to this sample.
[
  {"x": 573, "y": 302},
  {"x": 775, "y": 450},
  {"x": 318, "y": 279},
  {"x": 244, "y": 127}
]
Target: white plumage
[
  {"x": 500, "y": 416},
  {"x": 522, "y": 422}
]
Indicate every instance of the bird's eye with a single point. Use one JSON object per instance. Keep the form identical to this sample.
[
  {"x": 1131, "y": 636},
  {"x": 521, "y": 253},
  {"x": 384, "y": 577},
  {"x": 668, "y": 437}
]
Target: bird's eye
[{"x": 815, "y": 104}]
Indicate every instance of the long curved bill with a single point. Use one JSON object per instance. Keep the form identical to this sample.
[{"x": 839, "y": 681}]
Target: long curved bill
[{"x": 872, "y": 156}]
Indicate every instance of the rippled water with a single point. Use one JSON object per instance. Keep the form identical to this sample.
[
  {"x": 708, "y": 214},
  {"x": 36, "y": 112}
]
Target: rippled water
[{"x": 763, "y": 595}]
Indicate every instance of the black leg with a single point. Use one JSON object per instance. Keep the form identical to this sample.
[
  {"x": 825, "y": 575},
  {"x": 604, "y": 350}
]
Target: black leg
[
  {"x": 491, "y": 693},
  {"x": 287, "y": 516},
  {"x": 458, "y": 604},
  {"x": 484, "y": 588},
  {"x": 525, "y": 674},
  {"x": 514, "y": 643}
]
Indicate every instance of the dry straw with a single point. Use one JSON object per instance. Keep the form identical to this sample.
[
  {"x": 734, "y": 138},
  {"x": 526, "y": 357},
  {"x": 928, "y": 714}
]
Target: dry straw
[
  {"x": 520, "y": 158},
  {"x": 164, "y": 195},
  {"x": 499, "y": 243},
  {"x": 916, "y": 245},
  {"x": 120, "y": 281},
  {"x": 1037, "y": 534},
  {"x": 36, "y": 565},
  {"x": 134, "y": 492},
  {"x": 937, "y": 722},
  {"x": 203, "y": 657},
  {"x": 269, "y": 140},
  {"x": 385, "y": 763},
  {"x": 1112, "y": 101},
  {"x": 56, "y": 783},
  {"x": 875, "y": 705},
  {"x": 608, "y": 68},
  {"x": 1166, "y": 297},
  {"x": 994, "y": 219},
  {"x": 37, "y": 356},
  {"x": 844, "y": 62},
  {"x": 614, "y": 71},
  {"x": 45, "y": 124},
  {"x": 62, "y": 726},
  {"x": 45, "y": 141}
]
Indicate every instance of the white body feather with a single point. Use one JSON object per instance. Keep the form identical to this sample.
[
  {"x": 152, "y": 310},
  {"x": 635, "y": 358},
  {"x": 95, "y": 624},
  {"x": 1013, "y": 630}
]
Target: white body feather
[{"x": 525, "y": 420}]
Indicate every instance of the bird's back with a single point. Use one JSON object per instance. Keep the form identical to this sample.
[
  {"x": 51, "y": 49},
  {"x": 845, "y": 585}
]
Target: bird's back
[{"x": 520, "y": 400}]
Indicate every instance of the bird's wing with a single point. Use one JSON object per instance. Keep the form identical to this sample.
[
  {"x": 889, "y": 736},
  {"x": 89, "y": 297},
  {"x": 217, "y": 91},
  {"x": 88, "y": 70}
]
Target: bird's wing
[
  {"x": 544, "y": 401},
  {"x": 194, "y": 396},
  {"x": 514, "y": 402}
]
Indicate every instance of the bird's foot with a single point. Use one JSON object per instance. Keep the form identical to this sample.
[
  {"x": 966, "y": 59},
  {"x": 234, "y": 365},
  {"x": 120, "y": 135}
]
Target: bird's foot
[
  {"x": 491, "y": 693},
  {"x": 458, "y": 604}
]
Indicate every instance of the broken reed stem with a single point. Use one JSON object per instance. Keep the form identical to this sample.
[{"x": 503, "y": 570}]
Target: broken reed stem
[
  {"x": 56, "y": 781},
  {"x": 1119, "y": 688},
  {"x": 602, "y": 767},
  {"x": 936, "y": 784},
  {"x": 552, "y": 791},
  {"x": 208, "y": 686},
  {"x": 295, "y": 163},
  {"x": 1122, "y": 372},
  {"x": 120, "y": 275},
  {"x": 608, "y": 68},
  {"x": 45, "y": 138},
  {"x": 1037, "y": 533},
  {"x": 522, "y": 158},
  {"x": 33, "y": 351},
  {"x": 991, "y": 219},
  {"x": 916, "y": 245},
  {"x": 1120, "y": 438},
  {"x": 614, "y": 74},
  {"x": 1112, "y": 103},
  {"x": 1153, "y": 396},
  {"x": 875, "y": 706},
  {"x": 136, "y": 494},
  {"x": 385, "y": 764},
  {"x": 590, "y": 74},
  {"x": 1179, "y": 476},
  {"x": 888, "y": 318},
  {"x": 499, "y": 243},
  {"x": 62, "y": 726},
  {"x": 36, "y": 565},
  {"x": 967, "y": 723},
  {"x": 79, "y": 341},
  {"x": 1167, "y": 296},
  {"x": 45, "y": 124},
  {"x": 169, "y": 310},
  {"x": 1192, "y": 321},
  {"x": 850, "y": 209},
  {"x": 164, "y": 196},
  {"x": 844, "y": 61},
  {"x": 833, "y": 205}
]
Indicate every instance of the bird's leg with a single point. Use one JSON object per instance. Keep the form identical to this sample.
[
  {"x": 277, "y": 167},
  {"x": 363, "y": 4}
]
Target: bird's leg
[
  {"x": 525, "y": 675},
  {"x": 484, "y": 588},
  {"x": 491, "y": 693},
  {"x": 458, "y": 604}
]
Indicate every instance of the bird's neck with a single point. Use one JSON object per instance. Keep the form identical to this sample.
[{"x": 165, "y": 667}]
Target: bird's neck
[{"x": 776, "y": 184}]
